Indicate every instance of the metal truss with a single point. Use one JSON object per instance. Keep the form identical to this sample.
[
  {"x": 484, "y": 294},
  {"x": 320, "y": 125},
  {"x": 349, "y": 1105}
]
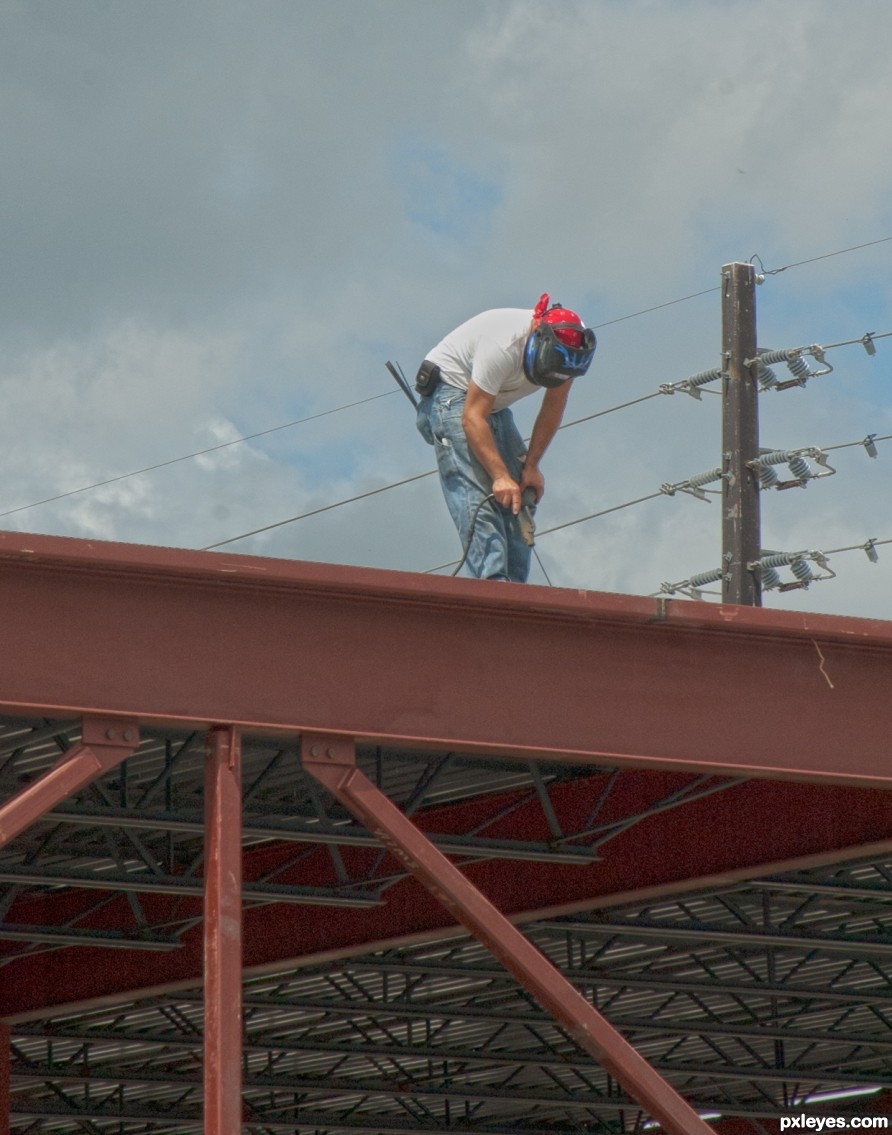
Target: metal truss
[
  {"x": 133, "y": 839},
  {"x": 747, "y": 1012},
  {"x": 665, "y": 924}
]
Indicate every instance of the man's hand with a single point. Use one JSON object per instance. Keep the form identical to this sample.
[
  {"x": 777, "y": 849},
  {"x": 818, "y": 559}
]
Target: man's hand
[
  {"x": 507, "y": 493},
  {"x": 532, "y": 478}
]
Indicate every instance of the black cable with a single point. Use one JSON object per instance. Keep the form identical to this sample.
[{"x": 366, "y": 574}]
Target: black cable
[
  {"x": 316, "y": 511},
  {"x": 542, "y": 566},
  {"x": 397, "y": 484},
  {"x": 467, "y": 549},
  {"x": 197, "y": 453},
  {"x": 337, "y": 409},
  {"x": 408, "y": 480},
  {"x": 566, "y": 524},
  {"x": 826, "y": 256},
  {"x": 657, "y": 307}
]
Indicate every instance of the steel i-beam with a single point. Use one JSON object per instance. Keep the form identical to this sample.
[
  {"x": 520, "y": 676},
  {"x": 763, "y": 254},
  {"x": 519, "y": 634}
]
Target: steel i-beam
[
  {"x": 332, "y": 761},
  {"x": 223, "y": 934},
  {"x": 104, "y": 743}
]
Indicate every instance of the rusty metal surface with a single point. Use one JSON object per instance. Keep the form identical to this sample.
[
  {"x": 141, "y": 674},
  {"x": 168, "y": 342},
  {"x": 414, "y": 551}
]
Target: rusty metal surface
[
  {"x": 105, "y": 742},
  {"x": 649, "y": 705},
  {"x": 333, "y": 762},
  {"x": 709, "y": 976},
  {"x": 295, "y": 647},
  {"x": 223, "y": 935}
]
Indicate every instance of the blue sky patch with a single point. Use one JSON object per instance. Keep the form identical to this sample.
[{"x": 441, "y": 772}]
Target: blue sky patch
[{"x": 443, "y": 195}]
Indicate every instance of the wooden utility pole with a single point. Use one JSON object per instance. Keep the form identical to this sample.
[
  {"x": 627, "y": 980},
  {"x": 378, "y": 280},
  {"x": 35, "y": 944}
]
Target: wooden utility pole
[{"x": 741, "y": 529}]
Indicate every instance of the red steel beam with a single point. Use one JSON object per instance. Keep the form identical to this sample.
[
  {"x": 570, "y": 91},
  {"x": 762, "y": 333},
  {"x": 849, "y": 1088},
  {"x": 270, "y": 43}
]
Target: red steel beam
[
  {"x": 313, "y": 647},
  {"x": 105, "y": 742},
  {"x": 332, "y": 761},
  {"x": 223, "y": 934}
]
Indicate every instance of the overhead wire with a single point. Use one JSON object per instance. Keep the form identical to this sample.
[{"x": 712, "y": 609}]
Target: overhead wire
[
  {"x": 825, "y": 256},
  {"x": 317, "y": 511},
  {"x": 566, "y": 524},
  {"x": 669, "y": 490},
  {"x": 196, "y": 453},
  {"x": 665, "y": 388},
  {"x": 694, "y": 586},
  {"x": 662, "y": 390},
  {"x": 694, "y": 383},
  {"x": 405, "y": 481},
  {"x": 361, "y": 496},
  {"x": 657, "y": 307}
]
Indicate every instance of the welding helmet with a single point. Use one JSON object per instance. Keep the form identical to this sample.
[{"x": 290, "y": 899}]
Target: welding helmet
[{"x": 559, "y": 347}]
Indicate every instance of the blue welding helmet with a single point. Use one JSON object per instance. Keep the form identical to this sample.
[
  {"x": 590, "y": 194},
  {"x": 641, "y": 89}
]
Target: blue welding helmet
[{"x": 558, "y": 348}]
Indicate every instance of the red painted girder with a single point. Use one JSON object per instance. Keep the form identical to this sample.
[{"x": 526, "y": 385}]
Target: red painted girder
[
  {"x": 408, "y": 659},
  {"x": 332, "y": 761},
  {"x": 754, "y": 829},
  {"x": 223, "y": 934},
  {"x": 105, "y": 742}
]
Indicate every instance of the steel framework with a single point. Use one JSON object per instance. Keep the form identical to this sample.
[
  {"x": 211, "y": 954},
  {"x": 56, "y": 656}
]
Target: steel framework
[{"x": 679, "y": 846}]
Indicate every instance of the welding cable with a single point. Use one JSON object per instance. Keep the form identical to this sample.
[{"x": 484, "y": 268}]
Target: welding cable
[
  {"x": 566, "y": 524},
  {"x": 467, "y": 547},
  {"x": 471, "y": 537}
]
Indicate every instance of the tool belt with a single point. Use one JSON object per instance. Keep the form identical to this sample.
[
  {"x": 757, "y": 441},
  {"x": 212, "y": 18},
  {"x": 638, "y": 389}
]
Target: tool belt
[{"x": 428, "y": 378}]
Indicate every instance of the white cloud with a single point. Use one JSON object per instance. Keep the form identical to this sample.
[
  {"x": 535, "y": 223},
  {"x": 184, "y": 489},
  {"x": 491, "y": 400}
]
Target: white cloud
[{"x": 214, "y": 226}]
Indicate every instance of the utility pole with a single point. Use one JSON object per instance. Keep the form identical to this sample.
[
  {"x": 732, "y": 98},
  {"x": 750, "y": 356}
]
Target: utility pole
[{"x": 741, "y": 530}]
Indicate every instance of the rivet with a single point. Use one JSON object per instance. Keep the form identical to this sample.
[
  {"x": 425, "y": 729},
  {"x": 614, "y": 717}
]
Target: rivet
[
  {"x": 314, "y": 750},
  {"x": 111, "y": 734},
  {"x": 128, "y": 734},
  {"x": 329, "y": 752}
]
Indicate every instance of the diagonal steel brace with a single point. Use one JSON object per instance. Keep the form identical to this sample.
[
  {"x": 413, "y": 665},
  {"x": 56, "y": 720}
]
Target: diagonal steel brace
[
  {"x": 332, "y": 761},
  {"x": 105, "y": 742}
]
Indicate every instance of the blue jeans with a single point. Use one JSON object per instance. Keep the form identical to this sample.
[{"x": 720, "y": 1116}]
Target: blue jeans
[{"x": 497, "y": 549}]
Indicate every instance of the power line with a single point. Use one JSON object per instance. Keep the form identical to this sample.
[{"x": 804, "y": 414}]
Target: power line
[
  {"x": 317, "y": 511},
  {"x": 691, "y": 385},
  {"x": 568, "y": 524},
  {"x": 826, "y": 256},
  {"x": 767, "y": 565},
  {"x": 197, "y": 453},
  {"x": 363, "y": 401},
  {"x": 691, "y": 484},
  {"x": 657, "y": 307},
  {"x": 765, "y": 271}
]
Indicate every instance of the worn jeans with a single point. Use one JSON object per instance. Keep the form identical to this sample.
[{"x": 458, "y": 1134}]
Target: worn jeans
[{"x": 497, "y": 550}]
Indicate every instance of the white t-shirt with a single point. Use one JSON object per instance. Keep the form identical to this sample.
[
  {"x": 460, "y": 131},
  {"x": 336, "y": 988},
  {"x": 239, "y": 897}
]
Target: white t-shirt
[{"x": 488, "y": 351}]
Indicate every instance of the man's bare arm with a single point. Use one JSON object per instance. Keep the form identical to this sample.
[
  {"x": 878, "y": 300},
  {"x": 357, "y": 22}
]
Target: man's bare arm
[
  {"x": 478, "y": 407},
  {"x": 549, "y": 418}
]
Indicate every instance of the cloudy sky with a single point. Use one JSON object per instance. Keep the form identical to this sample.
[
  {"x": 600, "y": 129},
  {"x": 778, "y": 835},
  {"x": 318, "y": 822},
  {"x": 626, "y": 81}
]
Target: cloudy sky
[{"x": 220, "y": 217}]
